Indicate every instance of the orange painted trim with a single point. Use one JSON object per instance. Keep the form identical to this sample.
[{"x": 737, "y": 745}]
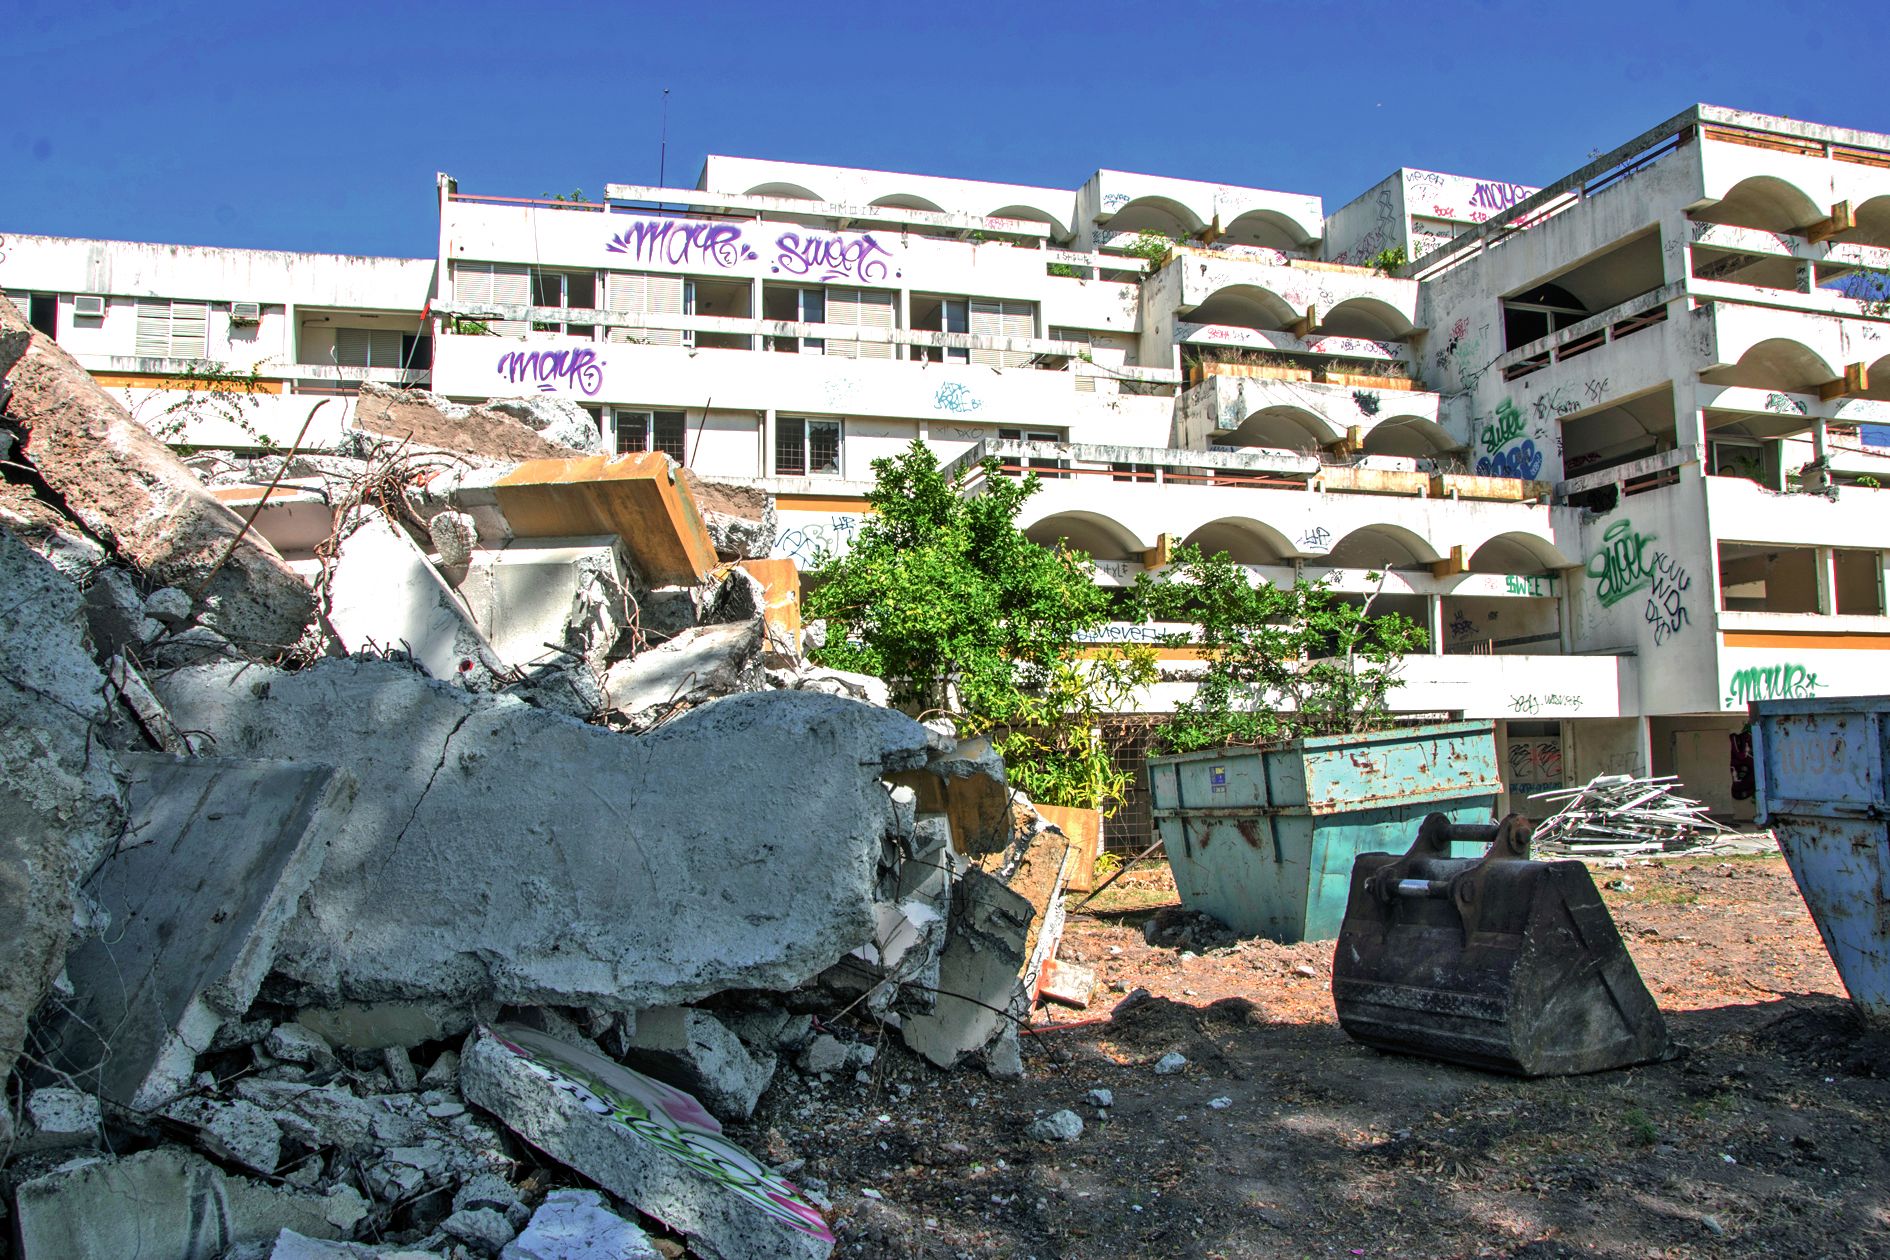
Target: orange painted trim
[
  {"x": 819, "y": 503},
  {"x": 147, "y": 380},
  {"x": 1796, "y": 640}
]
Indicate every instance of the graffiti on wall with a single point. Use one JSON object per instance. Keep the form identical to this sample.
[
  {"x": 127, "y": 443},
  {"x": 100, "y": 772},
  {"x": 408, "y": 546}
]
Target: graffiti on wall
[
  {"x": 1503, "y": 429},
  {"x": 1464, "y": 353},
  {"x": 1666, "y": 597},
  {"x": 1500, "y": 457},
  {"x": 811, "y": 542},
  {"x": 1535, "y": 764},
  {"x": 1785, "y": 681},
  {"x": 1539, "y": 585},
  {"x": 1461, "y": 627},
  {"x": 1532, "y": 704},
  {"x": 551, "y": 370},
  {"x": 849, "y": 256},
  {"x": 954, "y": 397},
  {"x": 1491, "y": 196},
  {"x": 1366, "y": 401},
  {"x": 1316, "y": 539},
  {"x": 667, "y": 1119},
  {"x": 1620, "y": 568}
]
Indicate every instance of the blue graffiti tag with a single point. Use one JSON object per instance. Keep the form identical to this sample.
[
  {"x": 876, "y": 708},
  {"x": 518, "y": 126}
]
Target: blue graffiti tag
[
  {"x": 952, "y": 396},
  {"x": 1521, "y": 461}
]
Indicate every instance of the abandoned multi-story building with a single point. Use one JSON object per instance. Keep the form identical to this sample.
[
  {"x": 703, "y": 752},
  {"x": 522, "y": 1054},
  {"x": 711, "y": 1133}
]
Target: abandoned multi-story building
[{"x": 1604, "y": 439}]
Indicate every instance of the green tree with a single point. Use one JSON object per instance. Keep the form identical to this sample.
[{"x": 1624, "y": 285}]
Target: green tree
[
  {"x": 946, "y": 599},
  {"x": 1280, "y": 661}
]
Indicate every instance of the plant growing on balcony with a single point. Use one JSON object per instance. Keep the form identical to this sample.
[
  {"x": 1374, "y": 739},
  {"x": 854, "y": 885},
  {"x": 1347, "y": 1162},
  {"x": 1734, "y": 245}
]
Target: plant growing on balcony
[
  {"x": 1151, "y": 246},
  {"x": 211, "y": 392},
  {"x": 1281, "y": 662},
  {"x": 947, "y": 600},
  {"x": 1387, "y": 261}
]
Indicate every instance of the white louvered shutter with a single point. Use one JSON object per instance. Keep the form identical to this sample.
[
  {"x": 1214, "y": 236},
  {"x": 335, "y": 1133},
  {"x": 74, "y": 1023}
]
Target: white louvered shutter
[
  {"x": 1002, "y": 319},
  {"x": 172, "y": 330},
  {"x": 639, "y": 293},
  {"x": 154, "y": 329},
  {"x": 665, "y": 298},
  {"x": 494, "y": 284},
  {"x": 367, "y": 347},
  {"x": 861, "y": 308}
]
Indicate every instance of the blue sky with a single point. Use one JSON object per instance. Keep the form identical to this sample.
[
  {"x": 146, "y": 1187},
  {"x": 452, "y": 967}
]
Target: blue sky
[{"x": 320, "y": 126}]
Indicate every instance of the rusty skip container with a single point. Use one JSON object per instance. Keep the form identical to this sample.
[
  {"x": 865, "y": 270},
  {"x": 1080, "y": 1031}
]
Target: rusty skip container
[
  {"x": 1263, "y": 839},
  {"x": 1821, "y": 774},
  {"x": 1500, "y": 962}
]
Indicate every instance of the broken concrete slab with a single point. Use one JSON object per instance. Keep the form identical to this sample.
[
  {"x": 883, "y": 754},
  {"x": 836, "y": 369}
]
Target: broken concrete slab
[
  {"x": 641, "y": 874},
  {"x": 289, "y": 1245},
  {"x": 575, "y": 1225},
  {"x": 48, "y": 531},
  {"x": 643, "y": 1141},
  {"x": 696, "y": 666},
  {"x": 428, "y": 420},
  {"x": 134, "y": 495},
  {"x": 386, "y": 1025},
  {"x": 985, "y": 952},
  {"x": 216, "y": 855},
  {"x": 740, "y": 518},
  {"x": 1066, "y": 983},
  {"x": 165, "y": 1204},
  {"x": 533, "y": 598},
  {"x": 691, "y": 1050},
  {"x": 235, "y": 1130},
  {"x": 558, "y": 420},
  {"x": 968, "y": 785},
  {"x": 61, "y": 804},
  {"x": 384, "y": 594}
]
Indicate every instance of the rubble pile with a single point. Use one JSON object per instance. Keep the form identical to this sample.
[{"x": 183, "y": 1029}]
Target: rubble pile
[
  {"x": 1621, "y": 815},
  {"x": 421, "y": 848}
]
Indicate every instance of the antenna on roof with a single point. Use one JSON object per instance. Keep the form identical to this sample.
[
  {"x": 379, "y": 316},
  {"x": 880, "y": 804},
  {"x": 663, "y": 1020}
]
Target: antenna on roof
[{"x": 662, "y": 154}]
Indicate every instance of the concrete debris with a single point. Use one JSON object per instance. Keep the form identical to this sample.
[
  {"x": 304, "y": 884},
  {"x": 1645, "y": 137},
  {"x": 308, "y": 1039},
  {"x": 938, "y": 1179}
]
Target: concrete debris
[
  {"x": 133, "y": 494},
  {"x": 1171, "y": 1063},
  {"x": 1100, "y": 1098},
  {"x": 480, "y": 1228},
  {"x": 294, "y": 1043},
  {"x": 457, "y": 879},
  {"x": 575, "y": 1225},
  {"x": 1067, "y": 984},
  {"x": 382, "y": 1025},
  {"x": 186, "y": 1209},
  {"x": 454, "y": 536},
  {"x": 558, "y": 420},
  {"x": 427, "y": 420},
  {"x": 216, "y": 856},
  {"x": 43, "y": 528},
  {"x": 238, "y": 1131},
  {"x": 290, "y": 1245},
  {"x": 691, "y": 1050},
  {"x": 1059, "y": 1126},
  {"x": 697, "y": 665},
  {"x": 61, "y": 803},
  {"x": 384, "y": 595},
  {"x": 134, "y": 692},
  {"x": 652, "y": 1145},
  {"x": 60, "y": 1112},
  {"x": 740, "y": 520},
  {"x": 168, "y": 605},
  {"x": 978, "y": 972},
  {"x": 115, "y": 611}
]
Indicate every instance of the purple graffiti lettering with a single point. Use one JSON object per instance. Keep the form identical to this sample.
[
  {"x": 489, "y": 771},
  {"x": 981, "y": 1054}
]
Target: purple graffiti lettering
[
  {"x": 839, "y": 257},
  {"x": 548, "y": 369},
  {"x": 679, "y": 242},
  {"x": 1498, "y": 196}
]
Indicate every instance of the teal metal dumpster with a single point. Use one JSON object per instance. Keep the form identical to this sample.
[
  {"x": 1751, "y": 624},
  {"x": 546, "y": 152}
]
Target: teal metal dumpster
[
  {"x": 1821, "y": 776},
  {"x": 1263, "y": 839}
]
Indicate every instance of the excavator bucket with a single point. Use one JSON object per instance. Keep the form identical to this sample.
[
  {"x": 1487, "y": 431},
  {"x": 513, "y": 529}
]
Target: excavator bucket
[{"x": 1496, "y": 962}]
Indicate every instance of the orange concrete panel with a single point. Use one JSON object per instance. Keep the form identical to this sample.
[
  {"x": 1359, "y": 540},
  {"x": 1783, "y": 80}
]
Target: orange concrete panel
[
  {"x": 637, "y": 497},
  {"x": 781, "y": 586}
]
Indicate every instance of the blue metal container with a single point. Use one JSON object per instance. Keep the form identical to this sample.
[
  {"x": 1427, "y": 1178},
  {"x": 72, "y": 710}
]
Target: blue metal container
[
  {"x": 1821, "y": 770},
  {"x": 1263, "y": 838}
]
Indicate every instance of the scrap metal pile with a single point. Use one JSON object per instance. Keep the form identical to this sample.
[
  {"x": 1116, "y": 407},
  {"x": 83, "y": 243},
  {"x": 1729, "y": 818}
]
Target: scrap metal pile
[
  {"x": 1620, "y": 815},
  {"x": 453, "y": 824}
]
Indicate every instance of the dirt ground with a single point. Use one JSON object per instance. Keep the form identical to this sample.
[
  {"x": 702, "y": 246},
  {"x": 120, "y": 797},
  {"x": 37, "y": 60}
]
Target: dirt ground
[{"x": 1281, "y": 1137}]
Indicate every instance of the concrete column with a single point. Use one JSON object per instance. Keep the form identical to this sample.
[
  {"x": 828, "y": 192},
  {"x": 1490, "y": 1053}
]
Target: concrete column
[
  {"x": 1827, "y": 580},
  {"x": 1434, "y": 619},
  {"x": 1689, "y": 420},
  {"x": 1644, "y": 745},
  {"x": 765, "y": 456}
]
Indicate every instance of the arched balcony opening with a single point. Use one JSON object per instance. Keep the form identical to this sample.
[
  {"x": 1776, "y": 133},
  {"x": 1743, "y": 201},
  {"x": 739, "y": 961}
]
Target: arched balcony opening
[
  {"x": 1246, "y": 541},
  {"x": 1765, "y": 202}
]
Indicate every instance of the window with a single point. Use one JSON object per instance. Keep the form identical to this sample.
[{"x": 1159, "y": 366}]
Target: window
[
  {"x": 1003, "y": 319},
  {"x": 1859, "y": 577},
  {"x": 639, "y": 431},
  {"x": 932, "y": 313},
  {"x": 644, "y": 293},
  {"x": 804, "y": 447},
  {"x": 861, "y": 308},
  {"x": 795, "y": 306},
  {"x": 569, "y": 289},
  {"x": 1754, "y": 577},
  {"x": 494, "y": 284},
  {"x": 172, "y": 330},
  {"x": 368, "y": 347},
  {"x": 1047, "y": 467}
]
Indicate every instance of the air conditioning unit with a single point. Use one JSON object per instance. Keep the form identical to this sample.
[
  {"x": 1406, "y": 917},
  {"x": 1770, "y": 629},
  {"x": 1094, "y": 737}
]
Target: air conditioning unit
[
  {"x": 246, "y": 312},
  {"x": 89, "y": 306}
]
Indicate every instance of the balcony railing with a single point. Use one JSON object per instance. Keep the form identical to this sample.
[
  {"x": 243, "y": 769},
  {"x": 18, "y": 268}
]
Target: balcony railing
[{"x": 1622, "y": 320}]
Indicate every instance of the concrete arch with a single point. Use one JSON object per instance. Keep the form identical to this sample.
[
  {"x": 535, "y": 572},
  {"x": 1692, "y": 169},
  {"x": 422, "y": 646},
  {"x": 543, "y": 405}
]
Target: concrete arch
[
  {"x": 1368, "y": 317},
  {"x": 781, "y": 188},
  {"x": 1517, "y": 553},
  {"x": 1283, "y": 428},
  {"x": 1245, "y": 540},
  {"x": 1873, "y": 223},
  {"x": 1381, "y": 546},
  {"x": 1776, "y": 363},
  {"x": 1267, "y": 228},
  {"x": 1414, "y": 436},
  {"x": 1156, "y": 214},
  {"x": 1879, "y": 380},
  {"x": 906, "y": 201},
  {"x": 1244, "y": 306},
  {"x": 1098, "y": 536},
  {"x": 1766, "y": 202},
  {"x": 1033, "y": 214}
]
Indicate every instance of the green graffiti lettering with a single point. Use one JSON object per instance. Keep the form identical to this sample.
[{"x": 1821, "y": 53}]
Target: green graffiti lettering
[{"x": 1620, "y": 567}]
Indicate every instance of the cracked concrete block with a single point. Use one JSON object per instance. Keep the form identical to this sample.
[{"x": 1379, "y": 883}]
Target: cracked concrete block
[
  {"x": 985, "y": 952},
  {"x": 558, "y": 420},
  {"x": 575, "y": 1225},
  {"x": 134, "y": 495},
  {"x": 428, "y": 420},
  {"x": 115, "y": 610},
  {"x": 385, "y": 594},
  {"x": 692, "y": 1050},
  {"x": 234, "y": 1130},
  {"x": 696, "y": 666},
  {"x": 61, "y": 803},
  {"x": 186, "y": 1209},
  {"x": 533, "y": 597},
  {"x": 499, "y": 852},
  {"x": 643, "y": 1141},
  {"x": 215, "y": 857},
  {"x": 289, "y": 1245}
]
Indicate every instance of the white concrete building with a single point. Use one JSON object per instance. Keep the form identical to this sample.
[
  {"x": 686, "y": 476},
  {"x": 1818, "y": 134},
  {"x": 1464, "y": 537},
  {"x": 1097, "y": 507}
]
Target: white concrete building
[{"x": 1574, "y": 429}]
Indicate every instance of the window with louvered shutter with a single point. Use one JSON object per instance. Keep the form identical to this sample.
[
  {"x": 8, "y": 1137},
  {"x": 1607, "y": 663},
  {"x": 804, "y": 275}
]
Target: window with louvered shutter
[
  {"x": 367, "y": 347},
  {"x": 861, "y": 308},
  {"x": 640, "y": 293},
  {"x": 494, "y": 284},
  {"x": 1003, "y": 319},
  {"x": 172, "y": 330}
]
